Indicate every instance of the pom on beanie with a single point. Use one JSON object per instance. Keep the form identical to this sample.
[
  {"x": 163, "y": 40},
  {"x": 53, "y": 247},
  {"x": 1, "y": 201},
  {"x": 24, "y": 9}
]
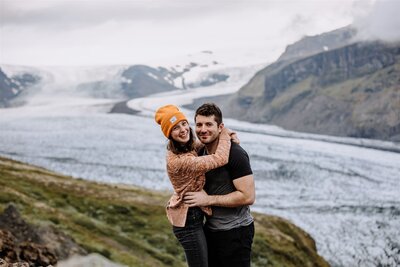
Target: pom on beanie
[{"x": 168, "y": 116}]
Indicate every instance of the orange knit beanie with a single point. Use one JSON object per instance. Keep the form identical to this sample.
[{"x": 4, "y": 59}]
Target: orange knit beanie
[{"x": 168, "y": 116}]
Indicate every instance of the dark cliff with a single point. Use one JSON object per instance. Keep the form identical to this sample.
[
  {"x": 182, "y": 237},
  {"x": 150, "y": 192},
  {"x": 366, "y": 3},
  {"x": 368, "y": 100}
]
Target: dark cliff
[
  {"x": 349, "y": 91},
  {"x": 310, "y": 45}
]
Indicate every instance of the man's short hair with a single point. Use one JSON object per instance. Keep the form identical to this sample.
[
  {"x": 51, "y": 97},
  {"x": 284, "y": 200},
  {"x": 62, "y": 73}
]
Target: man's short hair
[{"x": 209, "y": 109}]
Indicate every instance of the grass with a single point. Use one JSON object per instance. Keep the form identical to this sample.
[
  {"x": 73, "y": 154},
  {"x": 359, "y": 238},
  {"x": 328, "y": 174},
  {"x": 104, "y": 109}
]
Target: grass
[{"x": 128, "y": 224}]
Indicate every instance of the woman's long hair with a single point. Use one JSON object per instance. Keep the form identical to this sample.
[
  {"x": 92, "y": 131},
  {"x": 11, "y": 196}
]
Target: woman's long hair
[{"x": 178, "y": 148}]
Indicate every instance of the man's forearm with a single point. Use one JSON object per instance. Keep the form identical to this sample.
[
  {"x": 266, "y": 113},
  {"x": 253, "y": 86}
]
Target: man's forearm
[{"x": 234, "y": 199}]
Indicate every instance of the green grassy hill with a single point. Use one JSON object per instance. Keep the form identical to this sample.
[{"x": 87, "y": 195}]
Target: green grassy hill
[{"x": 128, "y": 224}]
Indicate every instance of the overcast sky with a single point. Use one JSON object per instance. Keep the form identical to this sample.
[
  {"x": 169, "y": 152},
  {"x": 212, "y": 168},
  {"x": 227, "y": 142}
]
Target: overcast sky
[{"x": 98, "y": 32}]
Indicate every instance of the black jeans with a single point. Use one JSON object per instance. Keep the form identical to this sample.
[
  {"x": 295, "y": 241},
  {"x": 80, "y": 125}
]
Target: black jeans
[
  {"x": 192, "y": 238},
  {"x": 231, "y": 248}
]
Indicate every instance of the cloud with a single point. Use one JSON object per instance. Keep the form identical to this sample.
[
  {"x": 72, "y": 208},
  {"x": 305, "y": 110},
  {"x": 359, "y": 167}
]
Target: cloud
[
  {"x": 381, "y": 21},
  {"x": 44, "y": 32},
  {"x": 75, "y": 14}
]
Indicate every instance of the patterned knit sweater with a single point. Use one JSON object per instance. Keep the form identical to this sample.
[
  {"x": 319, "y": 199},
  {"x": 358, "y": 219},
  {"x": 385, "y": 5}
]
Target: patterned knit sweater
[{"x": 187, "y": 174}]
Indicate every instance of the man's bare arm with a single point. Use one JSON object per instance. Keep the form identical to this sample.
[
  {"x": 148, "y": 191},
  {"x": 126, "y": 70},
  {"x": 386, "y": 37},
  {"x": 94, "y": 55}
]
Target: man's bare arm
[{"x": 244, "y": 195}]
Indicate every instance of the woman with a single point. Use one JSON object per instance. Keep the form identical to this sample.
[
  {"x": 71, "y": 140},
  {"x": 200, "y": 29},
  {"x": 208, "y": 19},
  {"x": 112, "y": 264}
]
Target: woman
[{"x": 186, "y": 172}]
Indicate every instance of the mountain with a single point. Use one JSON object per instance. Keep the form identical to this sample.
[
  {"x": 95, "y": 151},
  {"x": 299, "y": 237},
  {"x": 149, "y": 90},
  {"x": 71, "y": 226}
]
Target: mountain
[
  {"x": 12, "y": 87},
  {"x": 310, "y": 45},
  {"x": 130, "y": 82},
  {"x": 142, "y": 80},
  {"x": 352, "y": 90},
  {"x": 123, "y": 223},
  {"x": 8, "y": 89},
  {"x": 119, "y": 82}
]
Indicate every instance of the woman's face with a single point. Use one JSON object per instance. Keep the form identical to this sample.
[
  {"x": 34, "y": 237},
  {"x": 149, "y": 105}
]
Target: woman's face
[{"x": 181, "y": 132}]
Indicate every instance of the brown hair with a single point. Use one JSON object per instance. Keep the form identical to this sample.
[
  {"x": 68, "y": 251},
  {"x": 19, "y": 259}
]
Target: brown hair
[
  {"x": 178, "y": 148},
  {"x": 209, "y": 109}
]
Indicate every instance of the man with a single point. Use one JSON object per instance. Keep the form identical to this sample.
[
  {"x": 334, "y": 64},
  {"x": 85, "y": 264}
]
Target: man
[{"x": 229, "y": 190}]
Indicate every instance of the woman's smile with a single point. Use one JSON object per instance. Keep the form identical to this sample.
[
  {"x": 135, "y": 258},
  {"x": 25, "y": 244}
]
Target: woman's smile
[{"x": 180, "y": 132}]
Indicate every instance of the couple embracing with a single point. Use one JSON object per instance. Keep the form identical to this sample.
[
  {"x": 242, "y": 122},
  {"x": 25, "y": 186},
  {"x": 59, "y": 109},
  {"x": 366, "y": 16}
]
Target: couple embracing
[{"x": 213, "y": 182}]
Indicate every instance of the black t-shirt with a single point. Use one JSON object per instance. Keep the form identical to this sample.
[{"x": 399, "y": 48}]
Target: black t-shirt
[{"x": 220, "y": 182}]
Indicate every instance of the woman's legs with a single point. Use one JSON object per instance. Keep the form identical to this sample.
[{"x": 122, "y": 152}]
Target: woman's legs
[{"x": 192, "y": 239}]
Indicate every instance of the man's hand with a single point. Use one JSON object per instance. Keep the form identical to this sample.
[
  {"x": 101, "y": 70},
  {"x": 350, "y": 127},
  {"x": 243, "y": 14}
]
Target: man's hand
[
  {"x": 196, "y": 199},
  {"x": 244, "y": 195}
]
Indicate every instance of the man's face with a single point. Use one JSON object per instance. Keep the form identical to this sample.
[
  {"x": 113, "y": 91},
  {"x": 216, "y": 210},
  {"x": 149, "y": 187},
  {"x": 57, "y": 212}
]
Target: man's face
[{"x": 207, "y": 129}]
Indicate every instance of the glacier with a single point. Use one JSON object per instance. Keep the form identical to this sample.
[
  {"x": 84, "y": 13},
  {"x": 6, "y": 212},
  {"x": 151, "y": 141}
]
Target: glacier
[{"x": 343, "y": 191}]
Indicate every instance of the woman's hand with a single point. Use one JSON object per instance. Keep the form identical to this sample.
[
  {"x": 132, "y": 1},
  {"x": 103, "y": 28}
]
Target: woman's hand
[
  {"x": 231, "y": 134},
  {"x": 235, "y": 138}
]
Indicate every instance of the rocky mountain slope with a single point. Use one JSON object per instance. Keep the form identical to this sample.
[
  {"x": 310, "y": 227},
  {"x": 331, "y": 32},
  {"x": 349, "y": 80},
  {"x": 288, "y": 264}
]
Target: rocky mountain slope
[
  {"x": 129, "y": 82},
  {"x": 12, "y": 87},
  {"x": 311, "y": 45},
  {"x": 353, "y": 90},
  {"x": 123, "y": 223}
]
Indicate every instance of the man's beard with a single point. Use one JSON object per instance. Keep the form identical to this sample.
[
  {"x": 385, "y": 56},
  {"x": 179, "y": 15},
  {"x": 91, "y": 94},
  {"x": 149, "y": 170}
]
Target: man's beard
[{"x": 208, "y": 141}]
